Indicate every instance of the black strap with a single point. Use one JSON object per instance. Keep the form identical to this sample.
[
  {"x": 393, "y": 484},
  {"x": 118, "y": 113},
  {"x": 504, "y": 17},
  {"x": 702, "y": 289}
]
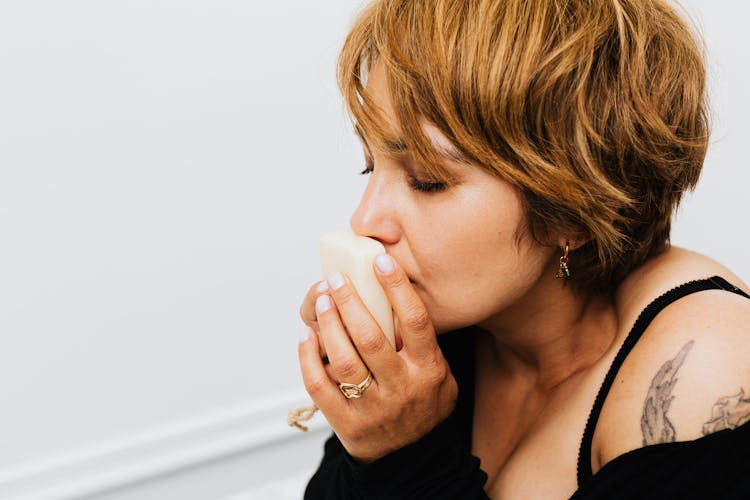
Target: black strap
[{"x": 644, "y": 319}]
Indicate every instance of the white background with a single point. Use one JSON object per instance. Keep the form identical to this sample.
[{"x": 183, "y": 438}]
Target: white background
[{"x": 166, "y": 168}]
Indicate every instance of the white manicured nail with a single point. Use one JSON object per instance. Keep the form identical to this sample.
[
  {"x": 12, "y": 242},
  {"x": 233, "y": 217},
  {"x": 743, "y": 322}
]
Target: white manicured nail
[
  {"x": 384, "y": 263},
  {"x": 304, "y": 334},
  {"x": 322, "y": 304},
  {"x": 336, "y": 280}
]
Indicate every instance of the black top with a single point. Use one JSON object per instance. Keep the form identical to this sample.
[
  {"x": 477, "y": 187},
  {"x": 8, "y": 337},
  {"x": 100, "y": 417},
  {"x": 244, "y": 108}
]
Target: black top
[{"x": 440, "y": 465}]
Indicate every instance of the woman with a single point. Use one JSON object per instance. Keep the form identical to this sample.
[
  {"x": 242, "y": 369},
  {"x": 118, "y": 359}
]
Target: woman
[{"x": 525, "y": 159}]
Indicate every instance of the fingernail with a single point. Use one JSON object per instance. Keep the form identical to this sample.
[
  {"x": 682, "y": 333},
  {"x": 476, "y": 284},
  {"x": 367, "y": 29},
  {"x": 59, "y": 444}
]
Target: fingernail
[
  {"x": 322, "y": 304},
  {"x": 304, "y": 334},
  {"x": 322, "y": 287},
  {"x": 384, "y": 263},
  {"x": 336, "y": 280}
]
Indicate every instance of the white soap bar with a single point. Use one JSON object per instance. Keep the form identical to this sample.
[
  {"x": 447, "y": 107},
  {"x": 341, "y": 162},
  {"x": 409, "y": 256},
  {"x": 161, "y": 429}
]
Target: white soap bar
[{"x": 346, "y": 252}]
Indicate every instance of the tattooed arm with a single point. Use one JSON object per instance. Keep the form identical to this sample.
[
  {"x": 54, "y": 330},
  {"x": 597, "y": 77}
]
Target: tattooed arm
[{"x": 687, "y": 377}]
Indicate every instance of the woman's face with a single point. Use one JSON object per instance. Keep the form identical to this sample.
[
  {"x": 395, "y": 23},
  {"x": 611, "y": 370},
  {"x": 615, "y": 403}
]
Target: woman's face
[{"x": 457, "y": 244}]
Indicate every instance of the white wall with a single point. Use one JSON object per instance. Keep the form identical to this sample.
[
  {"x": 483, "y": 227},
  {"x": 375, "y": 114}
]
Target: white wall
[
  {"x": 714, "y": 219},
  {"x": 165, "y": 170}
]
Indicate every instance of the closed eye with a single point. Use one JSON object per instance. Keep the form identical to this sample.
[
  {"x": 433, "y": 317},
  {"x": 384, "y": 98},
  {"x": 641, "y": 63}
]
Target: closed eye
[
  {"x": 426, "y": 187},
  {"x": 414, "y": 183}
]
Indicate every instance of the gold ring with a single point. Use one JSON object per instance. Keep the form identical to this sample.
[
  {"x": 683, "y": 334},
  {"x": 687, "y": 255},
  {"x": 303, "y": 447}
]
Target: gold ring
[{"x": 355, "y": 391}]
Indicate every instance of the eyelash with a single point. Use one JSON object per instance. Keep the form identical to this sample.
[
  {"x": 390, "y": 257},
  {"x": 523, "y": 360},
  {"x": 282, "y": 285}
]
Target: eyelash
[{"x": 416, "y": 185}]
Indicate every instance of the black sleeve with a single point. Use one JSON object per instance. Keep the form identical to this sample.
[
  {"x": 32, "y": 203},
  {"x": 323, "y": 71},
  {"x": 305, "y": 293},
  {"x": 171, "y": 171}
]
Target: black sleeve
[
  {"x": 438, "y": 466},
  {"x": 435, "y": 467},
  {"x": 716, "y": 466}
]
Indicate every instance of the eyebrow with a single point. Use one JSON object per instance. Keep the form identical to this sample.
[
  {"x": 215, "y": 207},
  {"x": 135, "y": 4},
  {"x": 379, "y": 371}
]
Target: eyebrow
[
  {"x": 450, "y": 152},
  {"x": 396, "y": 146}
]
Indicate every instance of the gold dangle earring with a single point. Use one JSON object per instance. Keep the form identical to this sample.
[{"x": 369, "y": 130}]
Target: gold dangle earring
[{"x": 564, "y": 272}]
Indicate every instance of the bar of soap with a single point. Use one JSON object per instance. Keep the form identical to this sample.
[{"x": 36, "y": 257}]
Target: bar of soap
[{"x": 346, "y": 252}]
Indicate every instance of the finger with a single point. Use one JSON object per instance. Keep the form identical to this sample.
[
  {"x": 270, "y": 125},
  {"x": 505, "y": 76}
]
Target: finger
[
  {"x": 307, "y": 310},
  {"x": 318, "y": 384},
  {"x": 370, "y": 341},
  {"x": 343, "y": 358},
  {"x": 329, "y": 371},
  {"x": 417, "y": 332}
]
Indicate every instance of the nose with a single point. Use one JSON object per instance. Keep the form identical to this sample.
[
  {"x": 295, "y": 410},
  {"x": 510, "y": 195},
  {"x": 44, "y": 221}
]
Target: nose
[{"x": 377, "y": 215}]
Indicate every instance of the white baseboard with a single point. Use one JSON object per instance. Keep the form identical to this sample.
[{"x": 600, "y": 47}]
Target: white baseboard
[{"x": 155, "y": 453}]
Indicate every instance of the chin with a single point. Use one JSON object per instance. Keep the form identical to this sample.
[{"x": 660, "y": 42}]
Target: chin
[
  {"x": 445, "y": 325},
  {"x": 441, "y": 325}
]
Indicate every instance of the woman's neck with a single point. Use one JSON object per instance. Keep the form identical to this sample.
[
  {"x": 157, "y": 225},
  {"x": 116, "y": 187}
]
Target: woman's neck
[{"x": 551, "y": 334}]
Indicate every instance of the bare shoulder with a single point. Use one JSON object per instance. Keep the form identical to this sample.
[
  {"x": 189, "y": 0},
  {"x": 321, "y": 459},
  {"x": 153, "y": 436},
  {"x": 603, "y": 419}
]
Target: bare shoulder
[
  {"x": 688, "y": 375},
  {"x": 670, "y": 269}
]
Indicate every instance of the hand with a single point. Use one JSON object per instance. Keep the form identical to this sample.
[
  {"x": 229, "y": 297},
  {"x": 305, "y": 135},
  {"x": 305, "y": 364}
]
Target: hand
[
  {"x": 310, "y": 318},
  {"x": 412, "y": 389}
]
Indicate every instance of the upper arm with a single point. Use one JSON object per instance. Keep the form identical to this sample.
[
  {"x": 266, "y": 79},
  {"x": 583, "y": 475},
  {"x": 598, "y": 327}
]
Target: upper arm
[{"x": 688, "y": 376}]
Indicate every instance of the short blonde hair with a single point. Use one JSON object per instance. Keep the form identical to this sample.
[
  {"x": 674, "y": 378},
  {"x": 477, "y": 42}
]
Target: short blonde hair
[{"x": 595, "y": 110}]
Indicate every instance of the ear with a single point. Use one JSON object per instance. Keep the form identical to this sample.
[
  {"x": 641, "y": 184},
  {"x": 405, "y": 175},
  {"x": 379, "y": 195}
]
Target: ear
[{"x": 572, "y": 240}]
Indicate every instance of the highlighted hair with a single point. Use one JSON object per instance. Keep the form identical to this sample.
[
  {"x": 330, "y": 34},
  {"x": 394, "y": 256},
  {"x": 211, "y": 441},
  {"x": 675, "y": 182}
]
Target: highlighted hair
[{"x": 594, "y": 110}]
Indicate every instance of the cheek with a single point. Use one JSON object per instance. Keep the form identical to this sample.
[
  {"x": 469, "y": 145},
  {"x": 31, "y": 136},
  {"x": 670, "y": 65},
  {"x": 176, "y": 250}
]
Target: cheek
[
  {"x": 474, "y": 266},
  {"x": 485, "y": 286},
  {"x": 465, "y": 270}
]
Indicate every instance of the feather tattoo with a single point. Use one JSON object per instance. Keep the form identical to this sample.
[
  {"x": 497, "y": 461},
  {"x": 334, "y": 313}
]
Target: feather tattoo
[{"x": 655, "y": 425}]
